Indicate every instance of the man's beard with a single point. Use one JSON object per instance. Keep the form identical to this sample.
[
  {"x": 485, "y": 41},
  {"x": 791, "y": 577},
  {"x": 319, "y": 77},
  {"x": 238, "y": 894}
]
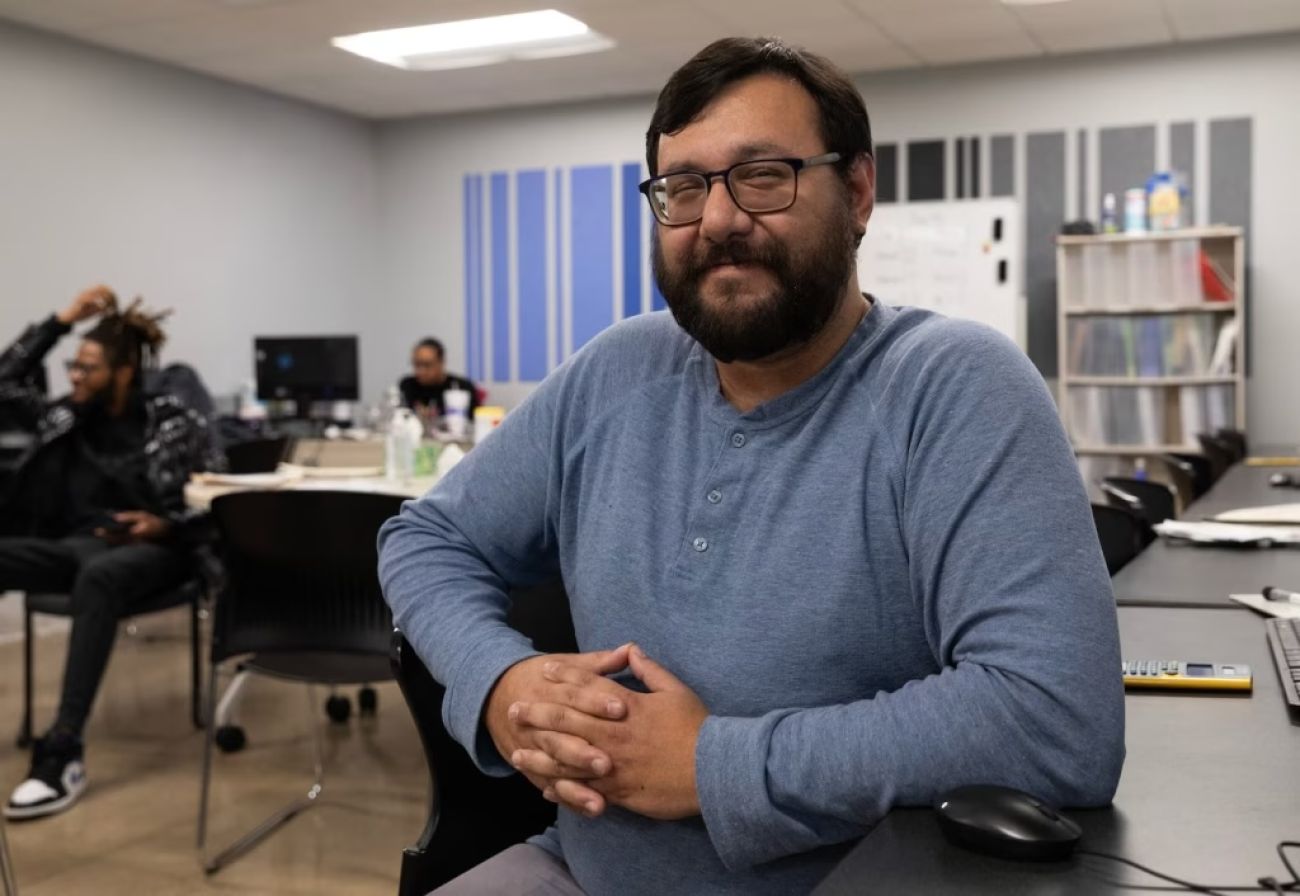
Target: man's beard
[{"x": 808, "y": 291}]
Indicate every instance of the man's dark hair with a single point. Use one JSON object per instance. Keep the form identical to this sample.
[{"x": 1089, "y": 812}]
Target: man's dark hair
[
  {"x": 430, "y": 342},
  {"x": 843, "y": 120},
  {"x": 130, "y": 337}
]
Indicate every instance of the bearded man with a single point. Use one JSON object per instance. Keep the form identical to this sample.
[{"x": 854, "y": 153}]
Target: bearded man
[
  {"x": 824, "y": 555},
  {"x": 95, "y": 508}
]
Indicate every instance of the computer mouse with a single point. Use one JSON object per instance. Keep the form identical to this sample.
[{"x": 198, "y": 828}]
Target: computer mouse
[
  {"x": 1282, "y": 480},
  {"x": 1007, "y": 823}
]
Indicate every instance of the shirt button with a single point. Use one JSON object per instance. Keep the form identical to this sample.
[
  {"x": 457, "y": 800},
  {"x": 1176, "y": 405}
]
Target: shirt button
[
  {"x": 715, "y": 496},
  {"x": 738, "y": 439},
  {"x": 700, "y": 544}
]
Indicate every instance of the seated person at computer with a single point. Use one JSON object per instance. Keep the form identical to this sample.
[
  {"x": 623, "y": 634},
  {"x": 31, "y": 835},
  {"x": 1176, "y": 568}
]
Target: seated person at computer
[
  {"x": 100, "y": 496},
  {"x": 843, "y": 545},
  {"x": 423, "y": 391}
]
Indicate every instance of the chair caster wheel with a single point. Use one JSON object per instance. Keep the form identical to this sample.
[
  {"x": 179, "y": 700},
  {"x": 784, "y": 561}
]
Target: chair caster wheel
[
  {"x": 230, "y": 738},
  {"x": 367, "y": 701},
  {"x": 338, "y": 708}
]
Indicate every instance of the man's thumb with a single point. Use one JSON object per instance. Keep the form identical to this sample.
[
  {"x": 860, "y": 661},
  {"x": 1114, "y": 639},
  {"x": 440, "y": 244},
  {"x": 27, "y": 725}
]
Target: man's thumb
[{"x": 651, "y": 674}]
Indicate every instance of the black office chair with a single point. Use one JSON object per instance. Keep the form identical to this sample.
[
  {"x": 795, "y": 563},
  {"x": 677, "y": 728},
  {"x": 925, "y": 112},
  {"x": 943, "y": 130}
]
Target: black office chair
[
  {"x": 257, "y": 455},
  {"x": 190, "y": 593},
  {"x": 472, "y": 816},
  {"x": 301, "y": 602},
  {"x": 1122, "y": 533},
  {"x": 1153, "y": 501},
  {"x": 1218, "y": 452},
  {"x": 1236, "y": 439},
  {"x": 1197, "y": 466}
]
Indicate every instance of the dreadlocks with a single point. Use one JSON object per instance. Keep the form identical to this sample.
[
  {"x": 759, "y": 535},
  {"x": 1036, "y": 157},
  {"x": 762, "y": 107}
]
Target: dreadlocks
[{"x": 130, "y": 336}]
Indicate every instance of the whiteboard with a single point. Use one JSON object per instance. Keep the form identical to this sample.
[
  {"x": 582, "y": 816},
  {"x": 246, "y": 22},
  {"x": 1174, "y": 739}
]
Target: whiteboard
[{"x": 963, "y": 259}]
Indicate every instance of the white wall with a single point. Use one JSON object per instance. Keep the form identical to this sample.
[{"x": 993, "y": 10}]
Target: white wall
[
  {"x": 252, "y": 214},
  {"x": 421, "y": 163},
  {"x": 243, "y": 212}
]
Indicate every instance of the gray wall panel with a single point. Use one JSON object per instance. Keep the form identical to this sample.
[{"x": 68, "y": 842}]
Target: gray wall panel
[
  {"x": 1002, "y": 165},
  {"x": 1182, "y": 158},
  {"x": 1044, "y": 212},
  {"x": 1230, "y": 185},
  {"x": 1127, "y": 159}
]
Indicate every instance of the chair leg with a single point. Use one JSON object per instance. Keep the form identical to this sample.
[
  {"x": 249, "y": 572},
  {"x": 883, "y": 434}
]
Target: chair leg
[
  {"x": 6, "y": 865},
  {"x": 196, "y": 689},
  {"x": 25, "y": 732},
  {"x": 281, "y": 816}
]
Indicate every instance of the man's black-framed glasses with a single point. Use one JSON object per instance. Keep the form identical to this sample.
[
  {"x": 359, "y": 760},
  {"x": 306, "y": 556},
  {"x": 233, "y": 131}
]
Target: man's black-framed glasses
[{"x": 756, "y": 186}]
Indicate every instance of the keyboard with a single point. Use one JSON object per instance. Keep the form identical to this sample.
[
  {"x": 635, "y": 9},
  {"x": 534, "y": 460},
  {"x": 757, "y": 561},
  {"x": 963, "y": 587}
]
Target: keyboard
[{"x": 1284, "y": 638}]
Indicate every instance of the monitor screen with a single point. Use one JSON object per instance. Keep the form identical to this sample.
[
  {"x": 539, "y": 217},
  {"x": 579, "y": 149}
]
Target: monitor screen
[{"x": 306, "y": 368}]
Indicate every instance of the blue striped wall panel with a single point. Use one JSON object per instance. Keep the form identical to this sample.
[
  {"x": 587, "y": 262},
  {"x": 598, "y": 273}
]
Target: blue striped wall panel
[
  {"x": 560, "y": 299},
  {"x": 591, "y": 230},
  {"x": 633, "y": 263},
  {"x": 500, "y": 182},
  {"x": 530, "y": 273}
]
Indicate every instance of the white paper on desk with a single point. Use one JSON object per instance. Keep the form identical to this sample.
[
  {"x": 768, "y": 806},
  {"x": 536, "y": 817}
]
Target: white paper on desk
[
  {"x": 246, "y": 480},
  {"x": 1228, "y": 533},
  {"x": 1283, "y": 608},
  {"x": 1271, "y": 514}
]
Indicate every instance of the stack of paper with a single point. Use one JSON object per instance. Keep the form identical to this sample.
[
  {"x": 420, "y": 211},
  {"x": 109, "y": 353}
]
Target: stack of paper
[
  {"x": 1228, "y": 533},
  {"x": 1269, "y": 515}
]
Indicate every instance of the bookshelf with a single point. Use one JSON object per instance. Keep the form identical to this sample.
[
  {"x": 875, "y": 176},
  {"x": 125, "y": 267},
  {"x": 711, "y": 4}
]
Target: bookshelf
[{"x": 1152, "y": 351}]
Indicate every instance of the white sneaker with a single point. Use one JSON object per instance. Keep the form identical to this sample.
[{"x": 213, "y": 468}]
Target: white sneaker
[{"x": 56, "y": 781}]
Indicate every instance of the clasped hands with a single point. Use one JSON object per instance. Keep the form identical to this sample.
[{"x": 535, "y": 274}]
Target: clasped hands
[{"x": 588, "y": 743}]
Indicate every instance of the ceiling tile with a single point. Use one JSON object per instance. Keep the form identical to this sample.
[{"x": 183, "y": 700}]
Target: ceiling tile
[{"x": 1204, "y": 19}]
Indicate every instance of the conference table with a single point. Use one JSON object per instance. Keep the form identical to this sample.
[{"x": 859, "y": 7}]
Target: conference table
[
  {"x": 1174, "y": 574},
  {"x": 1210, "y": 786}
]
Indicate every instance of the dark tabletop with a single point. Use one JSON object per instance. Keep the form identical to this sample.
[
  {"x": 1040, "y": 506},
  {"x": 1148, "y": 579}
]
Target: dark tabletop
[
  {"x": 1173, "y": 574},
  {"x": 1210, "y": 785}
]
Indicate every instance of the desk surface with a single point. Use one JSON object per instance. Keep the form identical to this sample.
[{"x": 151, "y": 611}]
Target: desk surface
[
  {"x": 1180, "y": 575},
  {"x": 1208, "y": 790}
]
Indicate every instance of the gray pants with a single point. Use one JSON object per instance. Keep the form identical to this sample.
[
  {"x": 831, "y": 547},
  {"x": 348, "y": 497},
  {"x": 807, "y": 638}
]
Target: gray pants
[{"x": 521, "y": 870}]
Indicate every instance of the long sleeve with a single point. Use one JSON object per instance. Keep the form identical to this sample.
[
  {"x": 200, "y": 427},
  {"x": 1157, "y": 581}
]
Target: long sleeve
[
  {"x": 22, "y": 379},
  {"x": 447, "y": 560},
  {"x": 1018, "y": 614}
]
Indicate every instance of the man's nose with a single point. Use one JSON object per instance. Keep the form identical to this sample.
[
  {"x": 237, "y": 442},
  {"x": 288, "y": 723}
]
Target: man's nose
[{"x": 722, "y": 218}]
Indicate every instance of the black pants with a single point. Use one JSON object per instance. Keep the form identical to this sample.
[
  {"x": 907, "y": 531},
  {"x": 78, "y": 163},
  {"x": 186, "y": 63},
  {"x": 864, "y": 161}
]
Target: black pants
[{"x": 104, "y": 581}]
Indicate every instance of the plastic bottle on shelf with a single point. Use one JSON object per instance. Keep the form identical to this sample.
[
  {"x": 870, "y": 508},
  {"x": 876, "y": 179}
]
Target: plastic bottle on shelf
[{"x": 1109, "y": 214}]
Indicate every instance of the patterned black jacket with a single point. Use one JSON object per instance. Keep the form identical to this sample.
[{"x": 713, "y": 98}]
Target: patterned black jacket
[{"x": 176, "y": 441}]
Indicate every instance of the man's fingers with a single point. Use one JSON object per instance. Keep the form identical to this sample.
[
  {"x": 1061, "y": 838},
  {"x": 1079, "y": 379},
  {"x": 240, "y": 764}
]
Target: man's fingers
[
  {"x": 651, "y": 674},
  {"x": 585, "y": 690},
  {"x": 542, "y": 764},
  {"x": 578, "y": 797},
  {"x": 602, "y": 662},
  {"x": 551, "y": 717}
]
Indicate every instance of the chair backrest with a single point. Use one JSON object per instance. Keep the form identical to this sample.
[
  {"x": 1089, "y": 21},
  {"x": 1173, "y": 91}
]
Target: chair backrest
[
  {"x": 1197, "y": 466},
  {"x": 256, "y": 455},
  {"x": 1218, "y": 452},
  {"x": 1155, "y": 500},
  {"x": 301, "y": 572},
  {"x": 1121, "y": 533},
  {"x": 1237, "y": 439},
  {"x": 472, "y": 816}
]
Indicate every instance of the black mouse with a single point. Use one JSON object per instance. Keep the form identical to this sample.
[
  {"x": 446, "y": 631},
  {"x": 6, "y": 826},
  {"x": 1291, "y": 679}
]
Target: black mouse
[
  {"x": 1282, "y": 480},
  {"x": 1007, "y": 823}
]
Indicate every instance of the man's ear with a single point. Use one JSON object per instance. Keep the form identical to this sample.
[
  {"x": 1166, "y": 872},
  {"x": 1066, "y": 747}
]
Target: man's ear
[{"x": 862, "y": 191}]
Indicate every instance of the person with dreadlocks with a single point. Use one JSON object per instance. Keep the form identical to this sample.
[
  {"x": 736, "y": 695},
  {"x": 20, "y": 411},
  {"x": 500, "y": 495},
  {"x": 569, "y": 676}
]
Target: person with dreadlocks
[{"x": 95, "y": 508}]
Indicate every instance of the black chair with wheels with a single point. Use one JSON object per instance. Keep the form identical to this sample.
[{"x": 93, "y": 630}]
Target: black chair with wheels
[
  {"x": 301, "y": 602},
  {"x": 1154, "y": 501},
  {"x": 1236, "y": 439},
  {"x": 472, "y": 816},
  {"x": 1197, "y": 466},
  {"x": 1122, "y": 533},
  {"x": 1218, "y": 452},
  {"x": 190, "y": 593},
  {"x": 257, "y": 455}
]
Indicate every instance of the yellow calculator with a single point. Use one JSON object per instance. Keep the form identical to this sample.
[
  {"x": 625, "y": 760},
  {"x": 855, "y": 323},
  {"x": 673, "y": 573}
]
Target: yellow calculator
[{"x": 1178, "y": 675}]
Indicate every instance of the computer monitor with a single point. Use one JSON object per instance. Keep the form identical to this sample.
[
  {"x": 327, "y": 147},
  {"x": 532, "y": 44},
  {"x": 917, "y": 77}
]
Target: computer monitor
[{"x": 306, "y": 369}]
